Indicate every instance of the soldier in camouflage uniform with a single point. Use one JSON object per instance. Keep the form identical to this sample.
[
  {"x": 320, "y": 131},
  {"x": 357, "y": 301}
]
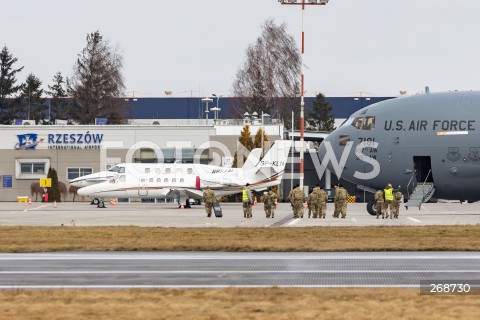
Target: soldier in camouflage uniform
[
  {"x": 312, "y": 204},
  {"x": 396, "y": 202},
  {"x": 269, "y": 203},
  {"x": 298, "y": 200},
  {"x": 322, "y": 203},
  {"x": 209, "y": 199},
  {"x": 340, "y": 202},
  {"x": 380, "y": 200}
]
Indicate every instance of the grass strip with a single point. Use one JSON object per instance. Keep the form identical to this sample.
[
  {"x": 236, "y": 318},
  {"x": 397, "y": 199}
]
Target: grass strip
[
  {"x": 309, "y": 239},
  {"x": 236, "y": 303}
]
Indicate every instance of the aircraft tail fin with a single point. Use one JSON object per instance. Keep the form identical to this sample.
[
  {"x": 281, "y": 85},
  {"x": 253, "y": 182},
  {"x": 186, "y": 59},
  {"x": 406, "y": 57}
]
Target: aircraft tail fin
[
  {"x": 274, "y": 161},
  {"x": 252, "y": 159}
]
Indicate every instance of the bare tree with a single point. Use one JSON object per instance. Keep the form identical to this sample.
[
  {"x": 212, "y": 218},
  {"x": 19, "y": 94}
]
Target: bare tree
[
  {"x": 269, "y": 78},
  {"x": 97, "y": 82}
]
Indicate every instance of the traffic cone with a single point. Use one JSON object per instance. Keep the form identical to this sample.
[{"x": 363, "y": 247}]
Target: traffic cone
[
  {"x": 29, "y": 201},
  {"x": 54, "y": 204},
  {"x": 181, "y": 205}
]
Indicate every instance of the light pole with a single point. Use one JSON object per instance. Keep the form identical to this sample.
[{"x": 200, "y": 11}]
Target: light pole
[
  {"x": 302, "y": 3},
  {"x": 206, "y": 101},
  {"x": 216, "y": 109}
]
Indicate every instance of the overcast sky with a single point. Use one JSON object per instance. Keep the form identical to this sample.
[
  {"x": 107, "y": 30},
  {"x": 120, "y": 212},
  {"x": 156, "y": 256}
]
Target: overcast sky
[{"x": 194, "y": 47}]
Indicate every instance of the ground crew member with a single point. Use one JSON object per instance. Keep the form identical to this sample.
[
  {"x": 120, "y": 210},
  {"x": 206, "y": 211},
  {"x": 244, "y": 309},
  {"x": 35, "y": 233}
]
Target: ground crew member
[
  {"x": 397, "y": 199},
  {"x": 316, "y": 204},
  {"x": 340, "y": 202},
  {"x": 388, "y": 200},
  {"x": 298, "y": 200},
  {"x": 312, "y": 204},
  {"x": 269, "y": 203},
  {"x": 322, "y": 203},
  {"x": 209, "y": 198},
  {"x": 380, "y": 202},
  {"x": 247, "y": 201}
]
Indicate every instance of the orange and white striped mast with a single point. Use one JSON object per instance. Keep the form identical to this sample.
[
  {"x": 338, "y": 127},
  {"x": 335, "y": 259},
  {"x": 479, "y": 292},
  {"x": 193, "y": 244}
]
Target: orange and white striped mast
[{"x": 302, "y": 81}]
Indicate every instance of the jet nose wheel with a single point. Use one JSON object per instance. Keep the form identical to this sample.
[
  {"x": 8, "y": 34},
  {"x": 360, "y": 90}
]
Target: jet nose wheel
[{"x": 372, "y": 207}]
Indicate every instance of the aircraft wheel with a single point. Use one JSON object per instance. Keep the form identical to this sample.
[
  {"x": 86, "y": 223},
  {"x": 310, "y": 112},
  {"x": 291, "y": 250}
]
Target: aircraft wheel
[
  {"x": 372, "y": 207},
  {"x": 198, "y": 202},
  {"x": 101, "y": 204},
  {"x": 95, "y": 201}
]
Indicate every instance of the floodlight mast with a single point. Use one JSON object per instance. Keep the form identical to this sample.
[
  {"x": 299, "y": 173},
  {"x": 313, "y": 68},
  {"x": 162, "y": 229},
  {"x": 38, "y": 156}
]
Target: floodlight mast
[{"x": 302, "y": 3}]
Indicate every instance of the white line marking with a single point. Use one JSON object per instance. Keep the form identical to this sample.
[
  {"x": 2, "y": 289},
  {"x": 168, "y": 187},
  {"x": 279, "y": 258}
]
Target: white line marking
[
  {"x": 237, "y": 272},
  {"x": 354, "y": 220},
  {"x": 414, "y": 220},
  {"x": 294, "y": 221}
]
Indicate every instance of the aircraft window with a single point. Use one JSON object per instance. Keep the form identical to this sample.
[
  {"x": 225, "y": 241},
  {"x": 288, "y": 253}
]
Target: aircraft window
[
  {"x": 189, "y": 171},
  {"x": 143, "y": 180},
  {"x": 150, "y": 180},
  {"x": 159, "y": 180},
  {"x": 181, "y": 180},
  {"x": 369, "y": 123},
  {"x": 358, "y": 122},
  {"x": 122, "y": 178},
  {"x": 343, "y": 139},
  {"x": 147, "y": 170},
  {"x": 174, "y": 180},
  {"x": 167, "y": 170},
  {"x": 165, "y": 180},
  {"x": 347, "y": 122}
]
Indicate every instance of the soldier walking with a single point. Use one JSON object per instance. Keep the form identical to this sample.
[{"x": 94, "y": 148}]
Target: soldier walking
[
  {"x": 209, "y": 199},
  {"x": 397, "y": 199},
  {"x": 247, "y": 201},
  {"x": 312, "y": 200},
  {"x": 380, "y": 202},
  {"x": 322, "y": 203},
  {"x": 340, "y": 202},
  {"x": 298, "y": 200},
  {"x": 269, "y": 203}
]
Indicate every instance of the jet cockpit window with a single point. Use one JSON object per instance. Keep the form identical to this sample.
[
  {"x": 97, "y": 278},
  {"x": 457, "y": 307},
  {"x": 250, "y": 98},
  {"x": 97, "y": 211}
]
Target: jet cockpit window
[
  {"x": 358, "y": 122},
  {"x": 117, "y": 169},
  {"x": 347, "y": 122},
  {"x": 369, "y": 123}
]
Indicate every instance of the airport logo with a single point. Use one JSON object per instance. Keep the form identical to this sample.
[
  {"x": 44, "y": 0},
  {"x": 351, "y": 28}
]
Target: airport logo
[
  {"x": 27, "y": 141},
  {"x": 453, "y": 154}
]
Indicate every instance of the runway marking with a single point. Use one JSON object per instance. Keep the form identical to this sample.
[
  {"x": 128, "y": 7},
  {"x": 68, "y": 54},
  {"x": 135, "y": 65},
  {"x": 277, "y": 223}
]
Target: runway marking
[
  {"x": 354, "y": 220},
  {"x": 293, "y": 222},
  {"x": 414, "y": 220},
  {"x": 229, "y": 271},
  {"x": 36, "y": 208}
]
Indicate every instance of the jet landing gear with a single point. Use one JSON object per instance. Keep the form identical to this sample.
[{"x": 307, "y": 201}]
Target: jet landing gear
[
  {"x": 101, "y": 204},
  {"x": 372, "y": 207},
  {"x": 95, "y": 201}
]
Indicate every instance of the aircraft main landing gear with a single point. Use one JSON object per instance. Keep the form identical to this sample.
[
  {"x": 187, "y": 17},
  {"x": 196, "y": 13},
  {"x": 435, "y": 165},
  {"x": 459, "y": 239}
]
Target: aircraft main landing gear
[
  {"x": 372, "y": 207},
  {"x": 101, "y": 204}
]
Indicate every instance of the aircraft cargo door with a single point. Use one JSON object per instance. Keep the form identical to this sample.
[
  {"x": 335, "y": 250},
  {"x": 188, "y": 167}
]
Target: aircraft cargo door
[
  {"x": 423, "y": 168},
  {"x": 142, "y": 186}
]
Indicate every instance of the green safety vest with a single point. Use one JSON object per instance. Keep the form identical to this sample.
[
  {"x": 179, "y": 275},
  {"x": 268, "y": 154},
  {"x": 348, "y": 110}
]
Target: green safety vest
[{"x": 389, "y": 194}]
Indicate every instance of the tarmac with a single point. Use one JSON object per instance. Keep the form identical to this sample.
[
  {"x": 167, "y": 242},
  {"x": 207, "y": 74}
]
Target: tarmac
[{"x": 169, "y": 215}]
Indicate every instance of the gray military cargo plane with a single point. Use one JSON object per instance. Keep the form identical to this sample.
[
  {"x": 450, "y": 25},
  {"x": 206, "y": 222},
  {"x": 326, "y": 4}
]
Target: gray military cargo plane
[{"x": 428, "y": 144}]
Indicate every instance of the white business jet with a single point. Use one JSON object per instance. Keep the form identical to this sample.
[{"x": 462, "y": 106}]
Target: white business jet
[{"x": 187, "y": 180}]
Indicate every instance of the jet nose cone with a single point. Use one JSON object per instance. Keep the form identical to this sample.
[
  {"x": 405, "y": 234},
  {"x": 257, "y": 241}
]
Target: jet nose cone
[{"x": 83, "y": 191}]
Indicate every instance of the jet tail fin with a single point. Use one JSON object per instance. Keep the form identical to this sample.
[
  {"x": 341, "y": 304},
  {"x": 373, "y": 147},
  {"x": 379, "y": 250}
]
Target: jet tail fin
[
  {"x": 252, "y": 159},
  {"x": 274, "y": 161}
]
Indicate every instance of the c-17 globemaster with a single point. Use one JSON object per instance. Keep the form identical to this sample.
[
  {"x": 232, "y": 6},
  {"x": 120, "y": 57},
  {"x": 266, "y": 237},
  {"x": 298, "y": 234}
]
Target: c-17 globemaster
[{"x": 428, "y": 144}]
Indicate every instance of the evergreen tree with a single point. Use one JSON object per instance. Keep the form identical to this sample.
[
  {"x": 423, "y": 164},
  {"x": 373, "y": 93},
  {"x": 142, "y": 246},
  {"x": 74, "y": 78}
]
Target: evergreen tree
[
  {"x": 54, "y": 190},
  {"x": 7, "y": 85},
  {"x": 58, "y": 101},
  {"x": 31, "y": 99},
  {"x": 245, "y": 140},
  {"x": 321, "y": 118},
  {"x": 97, "y": 83}
]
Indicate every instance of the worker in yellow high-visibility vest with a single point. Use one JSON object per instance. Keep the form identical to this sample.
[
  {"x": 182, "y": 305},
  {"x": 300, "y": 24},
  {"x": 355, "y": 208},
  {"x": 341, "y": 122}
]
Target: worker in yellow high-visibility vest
[
  {"x": 247, "y": 201},
  {"x": 388, "y": 204}
]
